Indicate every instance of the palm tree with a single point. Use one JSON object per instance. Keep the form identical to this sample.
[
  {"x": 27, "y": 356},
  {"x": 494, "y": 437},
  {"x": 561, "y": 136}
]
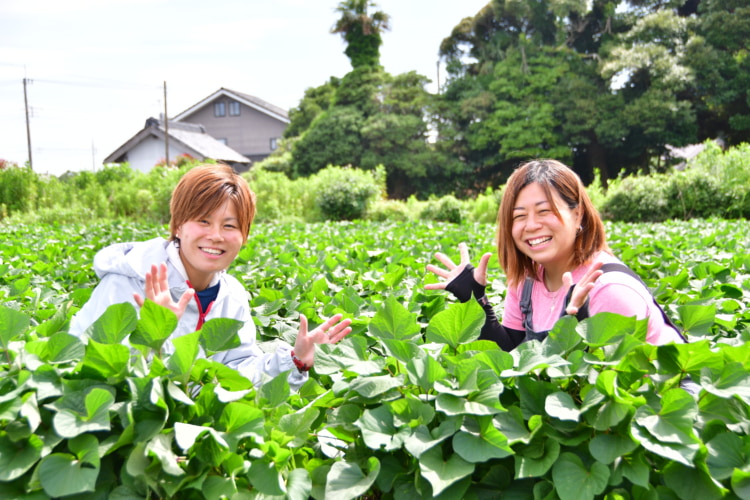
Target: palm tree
[{"x": 361, "y": 31}]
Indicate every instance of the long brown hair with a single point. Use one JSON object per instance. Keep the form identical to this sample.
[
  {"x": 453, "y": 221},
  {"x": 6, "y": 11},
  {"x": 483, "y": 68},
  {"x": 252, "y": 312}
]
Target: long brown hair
[
  {"x": 549, "y": 174},
  {"x": 204, "y": 189}
]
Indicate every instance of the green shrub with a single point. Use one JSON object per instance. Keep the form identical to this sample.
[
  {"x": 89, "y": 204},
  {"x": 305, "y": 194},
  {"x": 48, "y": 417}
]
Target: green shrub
[
  {"x": 390, "y": 210},
  {"x": 279, "y": 199},
  {"x": 18, "y": 188},
  {"x": 345, "y": 193},
  {"x": 445, "y": 209},
  {"x": 638, "y": 199},
  {"x": 485, "y": 206}
]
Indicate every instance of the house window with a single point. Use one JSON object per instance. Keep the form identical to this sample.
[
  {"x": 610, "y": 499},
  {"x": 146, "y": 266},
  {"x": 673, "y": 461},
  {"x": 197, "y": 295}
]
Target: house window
[
  {"x": 220, "y": 109},
  {"x": 274, "y": 143},
  {"x": 234, "y": 108}
]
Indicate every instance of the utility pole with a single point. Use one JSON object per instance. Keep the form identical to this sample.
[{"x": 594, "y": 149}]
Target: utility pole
[
  {"x": 28, "y": 128},
  {"x": 166, "y": 128}
]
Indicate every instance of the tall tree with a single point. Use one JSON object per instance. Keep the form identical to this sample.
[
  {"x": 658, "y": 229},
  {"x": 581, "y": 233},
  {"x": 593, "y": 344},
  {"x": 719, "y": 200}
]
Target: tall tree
[{"x": 361, "y": 31}]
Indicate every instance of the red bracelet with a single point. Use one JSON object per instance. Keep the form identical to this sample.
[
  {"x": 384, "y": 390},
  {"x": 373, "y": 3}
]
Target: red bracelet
[{"x": 302, "y": 367}]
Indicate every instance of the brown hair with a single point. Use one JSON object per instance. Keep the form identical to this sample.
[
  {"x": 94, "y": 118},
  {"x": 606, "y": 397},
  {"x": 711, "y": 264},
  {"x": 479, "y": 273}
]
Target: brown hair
[
  {"x": 204, "y": 189},
  {"x": 549, "y": 174}
]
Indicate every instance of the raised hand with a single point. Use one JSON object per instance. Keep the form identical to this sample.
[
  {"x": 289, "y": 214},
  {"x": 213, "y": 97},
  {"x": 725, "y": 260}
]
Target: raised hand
[
  {"x": 452, "y": 270},
  {"x": 157, "y": 290},
  {"x": 331, "y": 331},
  {"x": 582, "y": 288}
]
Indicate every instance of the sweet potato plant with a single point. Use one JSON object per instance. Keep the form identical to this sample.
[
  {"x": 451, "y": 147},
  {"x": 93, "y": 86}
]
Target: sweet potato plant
[{"x": 410, "y": 405}]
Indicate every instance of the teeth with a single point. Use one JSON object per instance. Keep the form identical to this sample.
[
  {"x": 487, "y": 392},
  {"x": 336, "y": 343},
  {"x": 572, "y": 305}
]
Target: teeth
[
  {"x": 537, "y": 241},
  {"x": 212, "y": 251}
]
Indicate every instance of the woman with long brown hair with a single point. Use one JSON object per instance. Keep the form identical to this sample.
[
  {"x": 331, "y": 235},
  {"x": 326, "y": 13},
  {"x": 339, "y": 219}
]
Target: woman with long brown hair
[{"x": 552, "y": 246}]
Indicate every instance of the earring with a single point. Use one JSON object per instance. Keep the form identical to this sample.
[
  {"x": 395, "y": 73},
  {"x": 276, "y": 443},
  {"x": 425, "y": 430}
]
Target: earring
[{"x": 580, "y": 228}]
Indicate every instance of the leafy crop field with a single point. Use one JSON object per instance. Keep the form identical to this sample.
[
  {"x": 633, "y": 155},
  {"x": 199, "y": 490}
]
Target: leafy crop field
[{"x": 409, "y": 406}]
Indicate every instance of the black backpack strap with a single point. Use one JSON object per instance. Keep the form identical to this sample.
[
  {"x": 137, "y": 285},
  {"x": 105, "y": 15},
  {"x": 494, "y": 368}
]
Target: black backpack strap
[
  {"x": 583, "y": 313},
  {"x": 528, "y": 287}
]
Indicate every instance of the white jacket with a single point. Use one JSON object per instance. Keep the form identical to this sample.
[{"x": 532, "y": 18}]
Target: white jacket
[{"x": 122, "y": 269}]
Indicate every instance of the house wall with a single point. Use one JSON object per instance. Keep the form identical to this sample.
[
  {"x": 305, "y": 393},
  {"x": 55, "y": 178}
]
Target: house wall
[
  {"x": 249, "y": 134},
  {"x": 150, "y": 151}
]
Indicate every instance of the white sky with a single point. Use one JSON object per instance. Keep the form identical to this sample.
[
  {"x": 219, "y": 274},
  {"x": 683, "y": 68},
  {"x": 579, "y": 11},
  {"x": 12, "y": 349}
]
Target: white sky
[{"x": 97, "y": 67}]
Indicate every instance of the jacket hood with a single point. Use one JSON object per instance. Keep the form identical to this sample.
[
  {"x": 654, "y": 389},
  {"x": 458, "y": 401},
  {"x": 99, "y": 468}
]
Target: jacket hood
[{"x": 131, "y": 259}]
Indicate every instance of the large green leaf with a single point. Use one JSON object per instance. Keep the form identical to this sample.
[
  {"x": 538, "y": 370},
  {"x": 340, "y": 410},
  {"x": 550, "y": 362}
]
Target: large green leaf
[
  {"x": 697, "y": 319},
  {"x": 108, "y": 360},
  {"x": 459, "y": 324},
  {"x": 346, "y": 480},
  {"x": 117, "y": 322},
  {"x": 379, "y": 431},
  {"x": 374, "y": 386},
  {"x": 18, "y": 457},
  {"x": 91, "y": 416},
  {"x": 220, "y": 334},
  {"x": 425, "y": 371},
  {"x": 12, "y": 324},
  {"x": 442, "y": 473},
  {"x": 535, "y": 459},
  {"x": 574, "y": 481},
  {"x": 606, "y": 448},
  {"x": 481, "y": 443},
  {"x": 62, "y": 474},
  {"x": 186, "y": 351},
  {"x": 154, "y": 327},
  {"x": 394, "y": 322},
  {"x": 690, "y": 483}
]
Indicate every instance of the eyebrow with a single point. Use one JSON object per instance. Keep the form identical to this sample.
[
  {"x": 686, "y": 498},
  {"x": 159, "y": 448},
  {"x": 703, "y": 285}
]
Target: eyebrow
[{"x": 535, "y": 204}]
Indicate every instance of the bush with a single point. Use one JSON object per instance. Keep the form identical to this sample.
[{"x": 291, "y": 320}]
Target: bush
[
  {"x": 389, "y": 210},
  {"x": 445, "y": 209},
  {"x": 279, "y": 199},
  {"x": 18, "y": 188},
  {"x": 345, "y": 193},
  {"x": 485, "y": 206},
  {"x": 637, "y": 199}
]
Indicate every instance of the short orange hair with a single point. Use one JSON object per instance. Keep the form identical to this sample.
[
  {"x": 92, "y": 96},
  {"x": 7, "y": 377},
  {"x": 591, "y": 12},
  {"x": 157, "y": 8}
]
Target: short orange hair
[
  {"x": 549, "y": 174},
  {"x": 205, "y": 188}
]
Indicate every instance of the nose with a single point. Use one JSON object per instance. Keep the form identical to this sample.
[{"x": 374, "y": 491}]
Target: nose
[
  {"x": 215, "y": 233},
  {"x": 532, "y": 222}
]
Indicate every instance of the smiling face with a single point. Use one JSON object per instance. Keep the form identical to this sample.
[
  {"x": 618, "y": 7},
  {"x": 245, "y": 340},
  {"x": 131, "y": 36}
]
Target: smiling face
[
  {"x": 210, "y": 244},
  {"x": 539, "y": 233}
]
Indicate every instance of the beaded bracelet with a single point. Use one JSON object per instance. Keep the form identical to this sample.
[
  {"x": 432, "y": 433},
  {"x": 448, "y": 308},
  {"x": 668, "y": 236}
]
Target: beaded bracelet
[{"x": 302, "y": 367}]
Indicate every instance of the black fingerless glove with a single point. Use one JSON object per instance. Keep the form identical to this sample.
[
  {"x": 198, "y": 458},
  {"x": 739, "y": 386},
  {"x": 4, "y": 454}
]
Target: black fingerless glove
[{"x": 464, "y": 285}]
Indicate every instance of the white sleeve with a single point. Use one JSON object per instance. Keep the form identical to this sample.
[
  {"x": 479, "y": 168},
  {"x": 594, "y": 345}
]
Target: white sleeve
[
  {"x": 112, "y": 289},
  {"x": 252, "y": 362}
]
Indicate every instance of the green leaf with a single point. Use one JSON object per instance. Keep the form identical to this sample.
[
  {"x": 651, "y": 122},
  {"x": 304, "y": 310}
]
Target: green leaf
[
  {"x": 61, "y": 474},
  {"x": 691, "y": 483},
  {"x": 605, "y": 328},
  {"x": 741, "y": 484},
  {"x": 298, "y": 485},
  {"x": 240, "y": 420},
  {"x": 535, "y": 459},
  {"x": 94, "y": 416},
  {"x": 379, "y": 431},
  {"x": 733, "y": 380},
  {"x": 394, "y": 322},
  {"x": 574, "y": 481},
  {"x": 459, "y": 324},
  {"x": 726, "y": 452},
  {"x": 275, "y": 391},
  {"x": 17, "y": 458},
  {"x": 12, "y": 324},
  {"x": 117, "y": 322},
  {"x": 264, "y": 476},
  {"x": 63, "y": 347},
  {"x": 161, "y": 447},
  {"x": 220, "y": 334},
  {"x": 402, "y": 350},
  {"x": 697, "y": 319},
  {"x": 346, "y": 479},
  {"x": 422, "y": 439},
  {"x": 561, "y": 405},
  {"x": 108, "y": 360},
  {"x": 484, "y": 444},
  {"x": 425, "y": 371},
  {"x": 154, "y": 327},
  {"x": 606, "y": 448},
  {"x": 442, "y": 473},
  {"x": 186, "y": 351},
  {"x": 371, "y": 387}
]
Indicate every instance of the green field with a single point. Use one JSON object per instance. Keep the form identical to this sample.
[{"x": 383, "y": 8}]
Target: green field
[{"x": 408, "y": 406}]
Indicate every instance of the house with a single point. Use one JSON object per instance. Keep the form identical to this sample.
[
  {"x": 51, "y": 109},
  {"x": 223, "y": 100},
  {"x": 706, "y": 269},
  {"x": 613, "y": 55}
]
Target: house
[
  {"x": 147, "y": 148},
  {"x": 243, "y": 122}
]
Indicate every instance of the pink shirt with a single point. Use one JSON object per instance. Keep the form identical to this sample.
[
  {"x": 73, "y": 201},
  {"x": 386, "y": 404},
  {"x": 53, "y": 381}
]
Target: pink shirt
[{"x": 614, "y": 292}]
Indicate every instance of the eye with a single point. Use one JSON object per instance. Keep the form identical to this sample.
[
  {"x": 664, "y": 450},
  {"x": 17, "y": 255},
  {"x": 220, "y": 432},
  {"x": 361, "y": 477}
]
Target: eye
[
  {"x": 519, "y": 216},
  {"x": 230, "y": 226}
]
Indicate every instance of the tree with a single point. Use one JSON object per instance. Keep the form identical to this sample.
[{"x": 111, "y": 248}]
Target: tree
[
  {"x": 315, "y": 101},
  {"x": 361, "y": 31}
]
